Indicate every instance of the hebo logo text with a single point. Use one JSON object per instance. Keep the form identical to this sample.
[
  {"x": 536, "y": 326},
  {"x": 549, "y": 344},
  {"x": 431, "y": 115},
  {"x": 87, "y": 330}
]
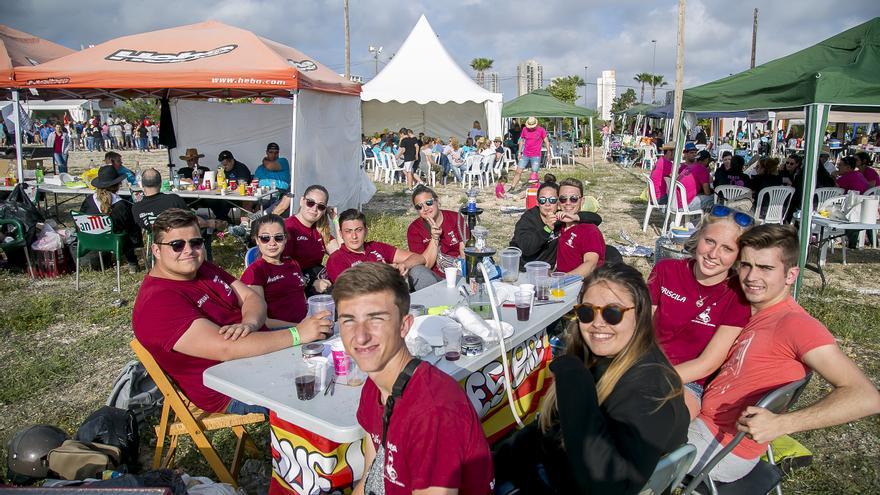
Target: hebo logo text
[{"x": 151, "y": 57}]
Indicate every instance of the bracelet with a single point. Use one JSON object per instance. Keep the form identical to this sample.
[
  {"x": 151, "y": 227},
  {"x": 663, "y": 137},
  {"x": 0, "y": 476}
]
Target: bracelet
[{"x": 295, "y": 333}]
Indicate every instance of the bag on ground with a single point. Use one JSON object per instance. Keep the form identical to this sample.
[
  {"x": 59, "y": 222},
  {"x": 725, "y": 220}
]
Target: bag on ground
[
  {"x": 115, "y": 427},
  {"x": 135, "y": 390},
  {"x": 75, "y": 460}
]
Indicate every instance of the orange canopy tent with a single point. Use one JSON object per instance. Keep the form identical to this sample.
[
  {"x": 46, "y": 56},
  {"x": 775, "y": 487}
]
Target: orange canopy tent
[{"x": 18, "y": 48}]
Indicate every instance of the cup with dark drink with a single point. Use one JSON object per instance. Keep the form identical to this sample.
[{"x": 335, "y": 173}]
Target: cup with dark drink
[
  {"x": 452, "y": 342},
  {"x": 523, "y": 301},
  {"x": 542, "y": 288},
  {"x": 306, "y": 380}
]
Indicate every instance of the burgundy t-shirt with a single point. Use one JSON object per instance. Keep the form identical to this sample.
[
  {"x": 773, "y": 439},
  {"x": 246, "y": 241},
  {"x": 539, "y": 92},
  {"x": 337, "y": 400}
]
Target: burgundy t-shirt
[
  {"x": 575, "y": 242},
  {"x": 684, "y": 330},
  {"x": 418, "y": 235},
  {"x": 871, "y": 176},
  {"x": 304, "y": 244},
  {"x": 283, "y": 288},
  {"x": 163, "y": 312},
  {"x": 434, "y": 437},
  {"x": 58, "y": 144},
  {"x": 343, "y": 259}
]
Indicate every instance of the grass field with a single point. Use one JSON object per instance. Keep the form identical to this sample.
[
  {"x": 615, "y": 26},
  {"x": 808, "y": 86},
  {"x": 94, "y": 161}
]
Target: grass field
[{"x": 62, "y": 348}]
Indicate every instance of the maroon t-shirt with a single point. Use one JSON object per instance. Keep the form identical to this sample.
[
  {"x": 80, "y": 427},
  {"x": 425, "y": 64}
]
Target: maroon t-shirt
[
  {"x": 343, "y": 259},
  {"x": 283, "y": 288},
  {"x": 575, "y": 242},
  {"x": 163, "y": 312},
  {"x": 434, "y": 437},
  {"x": 418, "y": 235},
  {"x": 684, "y": 330},
  {"x": 304, "y": 244}
]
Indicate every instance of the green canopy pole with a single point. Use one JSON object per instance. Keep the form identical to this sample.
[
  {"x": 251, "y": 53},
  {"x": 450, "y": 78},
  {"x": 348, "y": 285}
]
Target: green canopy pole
[
  {"x": 816, "y": 120},
  {"x": 676, "y": 161}
]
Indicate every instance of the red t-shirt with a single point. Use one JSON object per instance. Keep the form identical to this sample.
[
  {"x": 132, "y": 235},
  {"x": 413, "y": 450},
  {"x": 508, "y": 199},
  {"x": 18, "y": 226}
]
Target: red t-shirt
[
  {"x": 575, "y": 242},
  {"x": 343, "y": 259},
  {"x": 683, "y": 330},
  {"x": 283, "y": 288},
  {"x": 853, "y": 181},
  {"x": 163, "y": 312},
  {"x": 304, "y": 244},
  {"x": 871, "y": 176},
  {"x": 434, "y": 438},
  {"x": 418, "y": 235},
  {"x": 767, "y": 354}
]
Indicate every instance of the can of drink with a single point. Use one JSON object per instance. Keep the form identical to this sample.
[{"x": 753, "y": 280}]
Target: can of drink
[{"x": 313, "y": 350}]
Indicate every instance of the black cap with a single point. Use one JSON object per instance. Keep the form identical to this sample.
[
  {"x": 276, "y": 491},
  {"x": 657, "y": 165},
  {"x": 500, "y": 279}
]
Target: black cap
[
  {"x": 273, "y": 146},
  {"x": 225, "y": 155},
  {"x": 703, "y": 155}
]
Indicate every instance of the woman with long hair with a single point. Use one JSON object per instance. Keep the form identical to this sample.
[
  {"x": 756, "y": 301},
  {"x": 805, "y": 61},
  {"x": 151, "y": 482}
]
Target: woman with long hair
[
  {"x": 106, "y": 201},
  {"x": 309, "y": 237},
  {"x": 615, "y": 406}
]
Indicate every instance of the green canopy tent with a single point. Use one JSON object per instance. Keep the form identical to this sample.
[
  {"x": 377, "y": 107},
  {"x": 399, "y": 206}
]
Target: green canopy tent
[{"x": 841, "y": 73}]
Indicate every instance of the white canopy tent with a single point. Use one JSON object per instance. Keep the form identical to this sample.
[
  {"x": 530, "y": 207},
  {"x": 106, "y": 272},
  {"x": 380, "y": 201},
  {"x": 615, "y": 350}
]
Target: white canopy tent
[{"x": 422, "y": 88}]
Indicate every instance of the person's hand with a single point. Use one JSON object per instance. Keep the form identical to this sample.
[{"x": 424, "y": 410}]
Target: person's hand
[
  {"x": 436, "y": 230},
  {"x": 566, "y": 217},
  {"x": 236, "y": 330},
  {"x": 760, "y": 424},
  {"x": 321, "y": 285},
  {"x": 315, "y": 327},
  {"x": 401, "y": 267}
]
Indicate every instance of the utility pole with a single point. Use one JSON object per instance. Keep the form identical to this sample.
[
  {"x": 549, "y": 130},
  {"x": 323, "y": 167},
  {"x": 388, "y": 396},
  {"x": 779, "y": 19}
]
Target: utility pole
[
  {"x": 654, "y": 59},
  {"x": 376, "y": 50},
  {"x": 347, "y": 41},
  {"x": 586, "y": 88},
  {"x": 679, "y": 72},
  {"x": 754, "y": 38}
]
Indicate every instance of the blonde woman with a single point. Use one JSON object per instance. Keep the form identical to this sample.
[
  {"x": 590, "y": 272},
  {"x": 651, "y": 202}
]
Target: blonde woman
[
  {"x": 455, "y": 156},
  {"x": 105, "y": 201}
]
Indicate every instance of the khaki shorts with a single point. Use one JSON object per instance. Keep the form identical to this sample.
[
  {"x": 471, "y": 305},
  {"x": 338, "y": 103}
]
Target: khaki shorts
[{"x": 408, "y": 166}]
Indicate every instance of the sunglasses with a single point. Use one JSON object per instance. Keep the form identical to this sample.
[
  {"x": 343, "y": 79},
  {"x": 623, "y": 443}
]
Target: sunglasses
[
  {"x": 741, "y": 219},
  {"x": 429, "y": 202},
  {"x": 178, "y": 244},
  {"x": 612, "y": 314},
  {"x": 265, "y": 238},
  {"x": 572, "y": 198},
  {"x": 543, "y": 200},
  {"x": 311, "y": 204}
]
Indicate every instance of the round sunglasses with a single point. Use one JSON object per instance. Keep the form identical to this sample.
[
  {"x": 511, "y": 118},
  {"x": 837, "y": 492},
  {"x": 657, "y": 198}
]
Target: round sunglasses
[
  {"x": 552, "y": 200},
  {"x": 573, "y": 198},
  {"x": 311, "y": 204},
  {"x": 177, "y": 245},
  {"x": 265, "y": 238},
  {"x": 612, "y": 314},
  {"x": 429, "y": 202}
]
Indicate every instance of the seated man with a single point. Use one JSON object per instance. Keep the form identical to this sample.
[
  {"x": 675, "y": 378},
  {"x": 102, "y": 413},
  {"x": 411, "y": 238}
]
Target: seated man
[
  {"x": 356, "y": 249},
  {"x": 274, "y": 169},
  {"x": 424, "y": 435},
  {"x": 232, "y": 170},
  {"x": 115, "y": 159},
  {"x": 192, "y": 163},
  {"x": 775, "y": 348},
  {"x": 191, "y": 315}
]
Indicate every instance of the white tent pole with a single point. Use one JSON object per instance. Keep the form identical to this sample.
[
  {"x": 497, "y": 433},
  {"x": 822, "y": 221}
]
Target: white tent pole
[
  {"x": 592, "y": 150},
  {"x": 16, "y": 111},
  {"x": 774, "y": 138},
  {"x": 293, "y": 97}
]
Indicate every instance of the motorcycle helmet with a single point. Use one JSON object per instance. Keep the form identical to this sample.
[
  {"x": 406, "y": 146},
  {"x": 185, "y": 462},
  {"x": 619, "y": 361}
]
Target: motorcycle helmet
[{"x": 28, "y": 451}]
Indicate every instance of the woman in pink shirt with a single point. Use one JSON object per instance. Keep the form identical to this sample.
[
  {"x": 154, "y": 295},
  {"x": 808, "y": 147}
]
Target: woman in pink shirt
[
  {"x": 863, "y": 161},
  {"x": 662, "y": 169},
  {"x": 849, "y": 178},
  {"x": 699, "y": 307}
]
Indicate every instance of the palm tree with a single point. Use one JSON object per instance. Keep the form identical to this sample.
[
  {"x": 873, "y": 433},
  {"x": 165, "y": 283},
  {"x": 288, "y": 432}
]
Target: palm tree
[
  {"x": 656, "y": 80},
  {"x": 642, "y": 78},
  {"x": 480, "y": 66}
]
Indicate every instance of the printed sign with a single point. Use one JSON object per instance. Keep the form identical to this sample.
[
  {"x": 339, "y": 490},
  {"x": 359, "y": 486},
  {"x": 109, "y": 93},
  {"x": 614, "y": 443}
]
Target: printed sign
[{"x": 152, "y": 57}]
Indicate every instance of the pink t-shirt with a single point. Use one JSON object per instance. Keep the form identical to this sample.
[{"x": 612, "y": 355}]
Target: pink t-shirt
[
  {"x": 871, "y": 176},
  {"x": 683, "y": 329},
  {"x": 418, "y": 235},
  {"x": 767, "y": 354},
  {"x": 693, "y": 179},
  {"x": 575, "y": 242},
  {"x": 163, "y": 312},
  {"x": 343, "y": 259},
  {"x": 853, "y": 181},
  {"x": 662, "y": 169},
  {"x": 304, "y": 244},
  {"x": 283, "y": 288},
  {"x": 532, "y": 140},
  {"x": 434, "y": 437}
]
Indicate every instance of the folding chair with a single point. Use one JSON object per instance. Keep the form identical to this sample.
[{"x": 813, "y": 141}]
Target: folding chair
[
  {"x": 192, "y": 421},
  {"x": 251, "y": 255},
  {"x": 679, "y": 206},
  {"x": 670, "y": 470},
  {"x": 778, "y": 199},
  {"x": 765, "y": 476},
  {"x": 95, "y": 233},
  {"x": 653, "y": 203},
  {"x": 19, "y": 241}
]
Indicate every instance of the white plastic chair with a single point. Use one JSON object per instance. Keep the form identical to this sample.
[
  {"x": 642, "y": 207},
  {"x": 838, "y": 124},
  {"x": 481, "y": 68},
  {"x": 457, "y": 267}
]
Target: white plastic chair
[
  {"x": 822, "y": 194},
  {"x": 680, "y": 207},
  {"x": 649, "y": 157},
  {"x": 652, "y": 202},
  {"x": 670, "y": 470},
  {"x": 553, "y": 158},
  {"x": 566, "y": 152},
  {"x": 508, "y": 159},
  {"x": 874, "y": 191},
  {"x": 367, "y": 162},
  {"x": 496, "y": 168},
  {"x": 778, "y": 198},
  {"x": 474, "y": 168},
  {"x": 391, "y": 167},
  {"x": 731, "y": 193},
  {"x": 722, "y": 148}
]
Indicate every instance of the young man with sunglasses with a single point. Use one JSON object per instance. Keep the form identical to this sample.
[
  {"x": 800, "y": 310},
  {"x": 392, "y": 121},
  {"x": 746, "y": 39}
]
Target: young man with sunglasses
[
  {"x": 191, "y": 315},
  {"x": 778, "y": 345},
  {"x": 434, "y": 234},
  {"x": 423, "y": 434}
]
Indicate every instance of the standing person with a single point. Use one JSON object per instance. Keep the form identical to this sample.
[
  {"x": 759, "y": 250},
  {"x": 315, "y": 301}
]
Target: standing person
[
  {"x": 106, "y": 142},
  {"x": 581, "y": 245},
  {"x": 274, "y": 171},
  {"x": 309, "y": 238},
  {"x": 423, "y": 435},
  {"x": 408, "y": 151},
  {"x": 127, "y": 134},
  {"x": 59, "y": 141},
  {"x": 434, "y": 234},
  {"x": 105, "y": 201},
  {"x": 98, "y": 138},
  {"x": 529, "y": 152},
  {"x": 154, "y": 134},
  {"x": 142, "y": 136},
  {"x": 90, "y": 137},
  {"x": 116, "y": 139}
]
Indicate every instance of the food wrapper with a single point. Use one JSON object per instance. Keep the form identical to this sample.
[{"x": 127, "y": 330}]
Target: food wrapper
[{"x": 88, "y": 175}]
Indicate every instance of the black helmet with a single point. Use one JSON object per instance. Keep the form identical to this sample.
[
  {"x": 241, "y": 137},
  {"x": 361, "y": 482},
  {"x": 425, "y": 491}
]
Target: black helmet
[{"x": 28, "y": 451}]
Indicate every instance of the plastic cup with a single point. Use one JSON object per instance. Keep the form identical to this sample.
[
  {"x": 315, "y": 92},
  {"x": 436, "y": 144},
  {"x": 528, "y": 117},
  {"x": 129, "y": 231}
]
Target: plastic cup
[
  {"x": 536, "y": 269},
  {"x": 527, "y": 288},
  {"x": 510, "y": 264},
  {"x": 523, "y": 300},
  {"x": 306, "y": 380},
  {"x": 322, "y": 302},
  {"x": 557, "y": 285},
  {"x": 451, "y": 273},
  {"x": 542, "y": 288},
  {"x": 356, "y": 376},
  {"x": 452, "y": 342},
  {"x": 340, "y": 358}
]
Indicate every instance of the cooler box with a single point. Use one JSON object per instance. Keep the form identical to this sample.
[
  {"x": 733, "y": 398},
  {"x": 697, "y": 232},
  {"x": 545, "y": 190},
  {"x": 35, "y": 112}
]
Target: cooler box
[{"x": 532, "y": 197}]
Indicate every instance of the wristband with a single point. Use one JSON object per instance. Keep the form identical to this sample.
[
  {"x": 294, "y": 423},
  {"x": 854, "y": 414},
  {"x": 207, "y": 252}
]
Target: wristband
[
  {"x": 295, "y": 333},
  {"x": 547, "y": 229}
]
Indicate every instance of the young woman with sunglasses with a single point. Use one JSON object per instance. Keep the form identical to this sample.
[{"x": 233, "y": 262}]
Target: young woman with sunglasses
[
  {"x": 581, "y": 245},
  {"x": 699, "y": 306},
  {"x": 434, "y": 234},
  {"x": 309, "y": 238},
  {"x": 615, "y": 407},
  {"x": 280, "y": 282}
]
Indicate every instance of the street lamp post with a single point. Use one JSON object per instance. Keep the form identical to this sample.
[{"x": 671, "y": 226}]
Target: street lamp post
[
  {"x": 376, "y": 50},
  {"x": 654, "y": 60},
  {"x": 585, "y": 84}
]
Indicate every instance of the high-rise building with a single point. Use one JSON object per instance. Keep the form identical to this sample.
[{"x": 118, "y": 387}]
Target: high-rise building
[
  {"x": 529, "y": 77},
  {"x": 492, "y": 82},
  {"x": 606, "y": 91}
]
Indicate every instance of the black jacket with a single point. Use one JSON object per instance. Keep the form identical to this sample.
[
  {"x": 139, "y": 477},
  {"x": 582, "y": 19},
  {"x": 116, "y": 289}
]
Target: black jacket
[
  {"x": 120, "y": 213},
  {"x": 536, "y": 242}
]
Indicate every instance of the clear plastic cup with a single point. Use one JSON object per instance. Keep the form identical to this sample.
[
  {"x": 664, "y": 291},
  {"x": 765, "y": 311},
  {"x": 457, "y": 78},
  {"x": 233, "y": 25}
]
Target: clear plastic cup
[
  {"x": 306, "y": 380},
  {"x": 542, "y": 288},
  {"x": 451, "y": 273},
  {"x": 322, "y": 302},
  {"x": 452, "y": 342},
  {"x": 510, "y": 264},
  {"x": 557, "y": 285},
  {"x": 523, "y": 301},
  {"x": 536, "y": 269}
]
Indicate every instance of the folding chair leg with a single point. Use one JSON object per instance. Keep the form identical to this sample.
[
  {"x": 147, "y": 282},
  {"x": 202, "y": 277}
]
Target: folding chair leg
[
  {"x": 161, "y": 433},
  {"x": 240, "y": 446},
  {"x": 647, "y": 217},
  {"x": 172, "y": 448},
  {"x": 77, "y": 270}
]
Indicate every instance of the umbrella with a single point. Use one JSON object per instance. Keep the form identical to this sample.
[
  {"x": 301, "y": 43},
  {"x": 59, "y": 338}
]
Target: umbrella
[{"x": 166, "y": 132}]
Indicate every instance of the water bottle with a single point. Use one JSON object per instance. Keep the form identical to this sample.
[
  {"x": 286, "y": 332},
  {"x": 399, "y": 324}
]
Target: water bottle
[{"x": 138, "y": 179}]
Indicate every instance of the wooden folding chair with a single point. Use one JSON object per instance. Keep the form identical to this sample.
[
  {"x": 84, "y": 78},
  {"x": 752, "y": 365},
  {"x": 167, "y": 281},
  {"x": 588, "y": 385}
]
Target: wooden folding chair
[{"x": 192, "y": 421}]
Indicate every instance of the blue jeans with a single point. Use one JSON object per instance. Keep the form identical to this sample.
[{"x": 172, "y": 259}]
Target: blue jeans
[
  {"x": 238, "y": 407},
  {"x": 90, "y": 143},
  {"x": 535, "y": 161},
  {"x": 61, "y": 161}
]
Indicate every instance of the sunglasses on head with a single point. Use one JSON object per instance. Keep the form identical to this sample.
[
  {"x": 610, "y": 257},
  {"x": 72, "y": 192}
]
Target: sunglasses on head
[
  {"x": 543, "y": 200},
  {"x": 177, "y": 245},
  {"x": 741, "y": 219},
  {"x": 612, "y": 314},
  {"x": 265, "y": 238},
  {"x": 429, "y": 202},
  {"x": 573, "y": 198},
  {"x": 311, "y": 204}
]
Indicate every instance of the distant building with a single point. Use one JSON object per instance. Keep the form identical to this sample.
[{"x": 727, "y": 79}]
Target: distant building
[
  {"x": 670, "y": 97},
  {"x": 606, "y": 91},
  {"x": 491, "y": 82},
  {"x": 529, "y": 77}
]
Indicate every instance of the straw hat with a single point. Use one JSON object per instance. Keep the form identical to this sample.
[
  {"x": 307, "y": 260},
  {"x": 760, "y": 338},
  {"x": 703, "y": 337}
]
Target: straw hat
[
  {"x": 668, "y": 146},
  {"x": 107, "y": 176},
  {"x": 191, "y": 153},
  {"x": 531, "y": 122}
]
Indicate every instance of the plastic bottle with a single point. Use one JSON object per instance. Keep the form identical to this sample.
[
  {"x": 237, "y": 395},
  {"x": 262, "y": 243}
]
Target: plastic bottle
[
  {"x": 221, "y": 178},
  {"x": 138, "y": 179}
]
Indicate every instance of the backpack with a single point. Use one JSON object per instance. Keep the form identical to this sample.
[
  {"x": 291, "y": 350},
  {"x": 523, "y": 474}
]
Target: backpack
[
  {"x": 114, "y": 427},
  {"x": 134, "y": 390},
  {"x": 75, "y": 460}
]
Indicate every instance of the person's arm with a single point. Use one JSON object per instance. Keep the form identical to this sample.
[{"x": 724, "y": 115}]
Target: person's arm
[
  {"x": 588, "y": 265},
  {"x": 253, "y": 312},
  {"x": 408, "y": 259},
  {"x": 203, "y": 340},
  {"x": 369, "y": 457},
  {"x": 853, "y": 397},
  {"x": 712, "y": 356},
  {"x": 530, "y": 238}
]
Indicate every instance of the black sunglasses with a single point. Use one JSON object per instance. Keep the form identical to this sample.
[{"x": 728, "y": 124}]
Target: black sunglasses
[
  {"x": 612, "y": 314},
  {"x": 311, "y": 204},
  {"x": 741, "y": 219},
  {"x": 429, "y": 202},
  {"x": 177, "y": 245},
  {"x": 572, "y": 198},
  {"x": 265, "y": 238},
  {"x": 542, "y": 200}
]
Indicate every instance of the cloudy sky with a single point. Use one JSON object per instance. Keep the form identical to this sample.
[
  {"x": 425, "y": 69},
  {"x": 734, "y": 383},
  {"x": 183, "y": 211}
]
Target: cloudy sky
[{"x": 562, "y": 35}]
